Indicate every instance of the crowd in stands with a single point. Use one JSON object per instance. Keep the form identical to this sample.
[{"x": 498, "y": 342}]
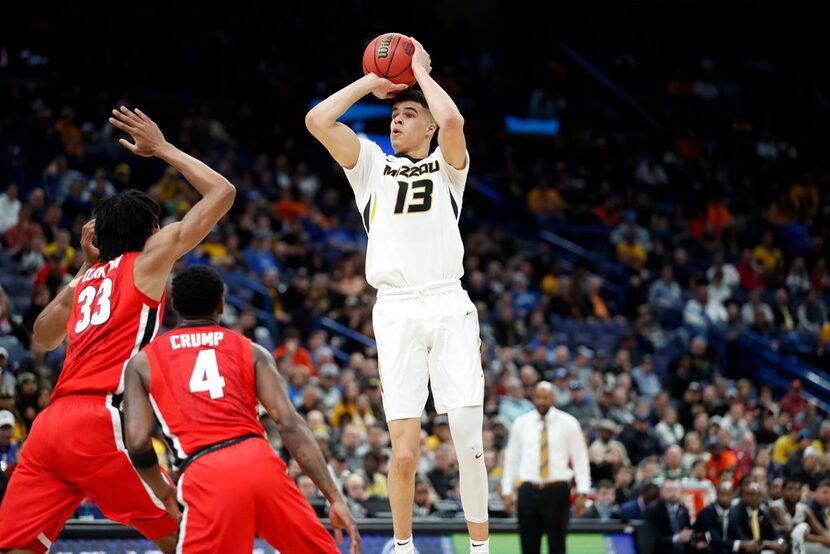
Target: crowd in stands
[{"x": 720, "y": 230}]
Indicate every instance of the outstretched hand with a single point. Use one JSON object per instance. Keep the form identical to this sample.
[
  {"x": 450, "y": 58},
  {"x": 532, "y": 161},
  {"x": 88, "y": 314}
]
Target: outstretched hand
[{"x": 146, "y": 135}]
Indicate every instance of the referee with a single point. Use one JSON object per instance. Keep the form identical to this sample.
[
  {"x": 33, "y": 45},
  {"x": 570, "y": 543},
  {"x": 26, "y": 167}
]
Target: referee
[{"x": 542, "y": 444}]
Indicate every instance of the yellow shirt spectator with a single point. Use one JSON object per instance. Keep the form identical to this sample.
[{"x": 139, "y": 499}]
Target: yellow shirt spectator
[{"x": 784, "y": 446}]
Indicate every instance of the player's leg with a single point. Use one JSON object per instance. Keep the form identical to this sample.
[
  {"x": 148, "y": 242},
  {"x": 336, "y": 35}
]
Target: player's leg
[
  {"x": 219, "y": 513},
  {"x": 284, "y": 518},
  {"x": 403, "y": 368},
  {"x": 458, "y": 386},
  {"x": 105, "y": 473},
  {"x": 38, "y": 500}
]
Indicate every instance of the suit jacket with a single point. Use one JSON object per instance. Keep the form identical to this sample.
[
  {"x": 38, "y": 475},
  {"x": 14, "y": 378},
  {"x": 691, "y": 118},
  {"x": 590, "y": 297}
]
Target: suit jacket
[
  {"x": 631, "y": 510},
  {"x": 708, "y": 521},
  {"x": 740, "y": 528},
  {"x": 657, "y": 517}
]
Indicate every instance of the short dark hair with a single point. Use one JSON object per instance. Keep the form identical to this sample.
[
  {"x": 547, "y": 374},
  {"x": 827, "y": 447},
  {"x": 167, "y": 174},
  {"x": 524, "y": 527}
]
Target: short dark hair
[
  {"x": 412, "y": 95},
  {"x": 124, "y": 222},
  {"x": 794, "y": 479},
  {"x": 197, "y": 291},
  {"x": 823, "y": 483},
  {"x": 605, "y": 484}
]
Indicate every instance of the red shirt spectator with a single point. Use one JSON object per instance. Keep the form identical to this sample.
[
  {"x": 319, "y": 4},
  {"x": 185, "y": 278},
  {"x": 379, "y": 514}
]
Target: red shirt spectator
[
  {"x": 793, "y": 402},
  {"x": 751, "y": 272},
  {"x": 298, "y": 354},
  {"x": 722, "y": 459}
]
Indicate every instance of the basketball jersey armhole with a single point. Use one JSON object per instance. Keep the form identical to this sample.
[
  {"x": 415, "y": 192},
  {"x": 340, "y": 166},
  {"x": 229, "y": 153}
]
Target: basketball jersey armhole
[{"x": 143, "y": 297}]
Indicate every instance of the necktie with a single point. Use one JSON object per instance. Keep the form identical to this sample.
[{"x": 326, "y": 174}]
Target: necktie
[
  {"x": 755, "y": 525},
  {"x": 724, "y": 522},
  {"x": 544, "y": 471},
  {"x": 673, "y": 518}
]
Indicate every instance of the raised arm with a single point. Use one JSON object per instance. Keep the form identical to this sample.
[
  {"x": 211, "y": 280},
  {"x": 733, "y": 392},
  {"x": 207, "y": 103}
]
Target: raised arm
[
  {"x": 173, "y": 241},
  {"x": 443, "y": 109},
  {"x": 298, "y": 439},
  {"x": 340, "y": 140},
  {"x": 50, "y": 326},
  {"x": 138, "y": 425}
]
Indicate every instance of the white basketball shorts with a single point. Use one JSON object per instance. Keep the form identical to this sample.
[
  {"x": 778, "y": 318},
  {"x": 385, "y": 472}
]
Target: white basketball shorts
[{"x": 428, "y": 334}]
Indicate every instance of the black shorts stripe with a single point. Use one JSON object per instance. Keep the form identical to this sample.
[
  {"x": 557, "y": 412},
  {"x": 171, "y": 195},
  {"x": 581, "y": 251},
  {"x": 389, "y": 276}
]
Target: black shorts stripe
[{"x": 366, "y": 213}]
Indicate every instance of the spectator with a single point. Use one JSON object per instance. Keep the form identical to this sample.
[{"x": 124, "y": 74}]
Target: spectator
[
  {"x": 751, "y": 272},
  {"x": 731, "y": 278},
  {"x": 669, "y": 430},
  {"x": 329, "y": 392},
  {"x": 605, "y": 453},
  {"x": 424, "y": 498},
  {"x": 718, "y": 291},
  {"x": 292, "y": 352},
  {"x": 513, "y": 404},
  {"x": 796, "y": 521},
  {"x": 734, "y": 422},
  {"x": 809, "y": 471},
  {"x": 9, "y": 207},
  {"x": 636, "y": 508},
  {"x": 812, "y": 315},
  {"x": 819, "y": 504},
  {"x": 754, "y": 304},
  {"x": 440, "y": 433},
  {"x": 750, "y": 526},
  {"x": 603, "y": 507},
  {"x": 354, "y": 489},
  {"x": 793, "y": 402},
  {"x": 782, "y": 314},
  {"x": 721, "y": 459},
  {"x": 444, "y": 476},
  {"x": 702, "y": 313},
  {"x": 339, "y": 465},
  {"x": 8, "y": 447},
  {"x": 374, "y": 481},
  {"x": 798, "y": 281},
  {"x": 673, "y": 464},
  {"x": 768, "y": 254},
  {"x": 714, "y": 520},
  {"x": 648, "y": 384},
  {"x": 640, "y": 440},
  {"x": 668, "y": 520},
  {"x": 582, "y": 407}
]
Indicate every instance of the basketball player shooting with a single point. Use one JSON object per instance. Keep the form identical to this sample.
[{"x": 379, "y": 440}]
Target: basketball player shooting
[{"x": 425, "y": 324}]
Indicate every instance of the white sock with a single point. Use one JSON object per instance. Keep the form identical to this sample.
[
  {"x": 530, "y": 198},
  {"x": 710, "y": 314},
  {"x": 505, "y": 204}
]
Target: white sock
[
  {"x": 480, "y": 547},
  {"x": 404, "y": 546}
]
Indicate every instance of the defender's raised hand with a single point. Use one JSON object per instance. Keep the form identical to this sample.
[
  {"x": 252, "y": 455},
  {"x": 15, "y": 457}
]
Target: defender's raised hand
[{"x": 146, "y": 135}]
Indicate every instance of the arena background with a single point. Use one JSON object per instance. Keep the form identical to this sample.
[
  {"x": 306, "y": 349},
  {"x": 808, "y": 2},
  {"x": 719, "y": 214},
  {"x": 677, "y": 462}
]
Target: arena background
[{"x": 581, "y": 118}]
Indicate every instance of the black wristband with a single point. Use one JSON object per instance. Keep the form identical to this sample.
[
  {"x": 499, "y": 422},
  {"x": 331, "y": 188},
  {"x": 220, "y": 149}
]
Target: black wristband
[{"x": 144, "y": 460}]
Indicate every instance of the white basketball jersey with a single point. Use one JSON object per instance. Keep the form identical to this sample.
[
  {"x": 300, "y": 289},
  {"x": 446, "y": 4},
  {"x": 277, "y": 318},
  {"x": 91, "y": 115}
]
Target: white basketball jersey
[{"x": 410, "y": 210}]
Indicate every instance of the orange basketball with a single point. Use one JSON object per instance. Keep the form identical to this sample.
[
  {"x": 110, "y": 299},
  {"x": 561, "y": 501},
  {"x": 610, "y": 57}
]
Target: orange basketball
[{"x": 390, "y": 56}]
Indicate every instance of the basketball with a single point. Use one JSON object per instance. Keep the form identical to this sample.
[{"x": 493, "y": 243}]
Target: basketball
[{"x": 390, "y": 56}]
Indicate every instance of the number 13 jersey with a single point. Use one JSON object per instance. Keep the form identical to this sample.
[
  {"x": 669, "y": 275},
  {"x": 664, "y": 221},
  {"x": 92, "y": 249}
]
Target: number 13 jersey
[
  {"x": 111, "y": 321},
  {"x": 410, "y": 210}
]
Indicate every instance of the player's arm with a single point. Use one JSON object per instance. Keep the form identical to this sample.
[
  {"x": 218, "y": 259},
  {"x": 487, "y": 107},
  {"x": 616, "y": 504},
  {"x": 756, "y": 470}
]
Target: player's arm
[
  {"x": 444, "y": 111},
  {"x": 341, "y": 142},
  {"x": 50, "y": 326},
  {"x": 173, "y": 241},
  {"x": 138, "y": 424},
  {"x": 296, "y": 436}
]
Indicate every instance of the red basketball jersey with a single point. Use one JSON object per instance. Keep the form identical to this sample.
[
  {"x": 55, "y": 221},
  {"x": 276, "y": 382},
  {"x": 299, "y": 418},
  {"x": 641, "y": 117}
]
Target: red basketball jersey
[
  {"x": 202, "y": 387},
  {"x": 111, "y": 321}
]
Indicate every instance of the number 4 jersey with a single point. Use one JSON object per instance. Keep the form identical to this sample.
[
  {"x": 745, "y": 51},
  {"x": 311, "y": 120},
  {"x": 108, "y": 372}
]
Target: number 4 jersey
[
  {"x": 410, "y": 210},
  {"x": 202, "y": 387},
  {"x": 111, "y": 321}
]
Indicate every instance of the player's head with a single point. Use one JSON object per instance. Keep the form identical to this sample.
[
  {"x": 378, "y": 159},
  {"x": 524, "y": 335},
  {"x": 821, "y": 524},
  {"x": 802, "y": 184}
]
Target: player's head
[
  {"x": 198, "y": 292},
  {"x": 124, "y": 222},
  {"x": 412, "y": 124}
]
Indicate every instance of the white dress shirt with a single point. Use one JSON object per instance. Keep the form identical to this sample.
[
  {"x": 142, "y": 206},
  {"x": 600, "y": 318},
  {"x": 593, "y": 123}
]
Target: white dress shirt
[{"x": 566, "y": 444}]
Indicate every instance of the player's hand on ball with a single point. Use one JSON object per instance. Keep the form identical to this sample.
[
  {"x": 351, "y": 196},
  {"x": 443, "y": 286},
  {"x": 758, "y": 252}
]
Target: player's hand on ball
[
  {"x": 385, "y": 89},
  {"x": 146, "y": 135},
  {"x": 420, "y": 58},
  {"x": 90, "y": 250},
  {"x": 340, "y": 519}
]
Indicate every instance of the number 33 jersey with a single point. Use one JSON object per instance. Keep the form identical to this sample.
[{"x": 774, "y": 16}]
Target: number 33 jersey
[
  {"x": 203, "y": 387},
  {"x": 410, "y": 210},
  {"x": 111, "y": 321}
]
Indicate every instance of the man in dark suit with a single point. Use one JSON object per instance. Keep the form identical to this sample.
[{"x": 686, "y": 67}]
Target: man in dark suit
[
  {"x": 750, "y": 527},
  {"x": 636, "y": 507},
  {"x": 713, "y": 521},
  {"x": 668, "y": 520}
]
